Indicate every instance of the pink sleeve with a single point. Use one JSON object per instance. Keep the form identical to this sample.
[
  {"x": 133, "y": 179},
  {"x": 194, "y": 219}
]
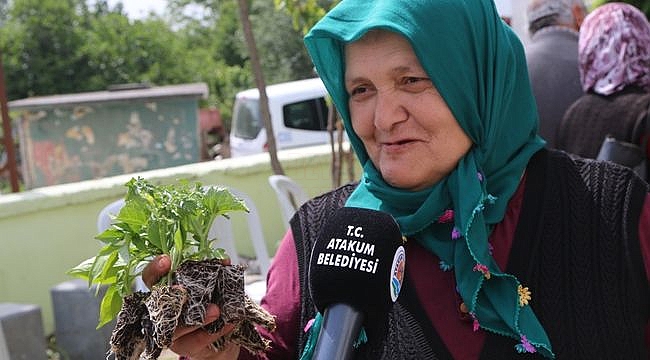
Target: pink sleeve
[{"x": 282, "y": 300}]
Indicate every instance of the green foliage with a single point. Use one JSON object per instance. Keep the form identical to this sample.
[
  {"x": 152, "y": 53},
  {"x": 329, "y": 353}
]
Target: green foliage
[
  {"x": 120, "y": 52},
  {"x": 643, "y": 5},
  {"x": 40, "y": 35},
  {"x": 305, "y": 13},
  {"x": 289, "y": 59},
  {"x": 65, "y": 46},
  {"x": 155, "y": 219}
]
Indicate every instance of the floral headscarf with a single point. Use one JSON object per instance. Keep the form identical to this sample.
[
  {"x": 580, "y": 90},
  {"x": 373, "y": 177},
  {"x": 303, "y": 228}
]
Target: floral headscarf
[
  {"x": 614, "y": 49},
  {"x": 478, "y": 65}
]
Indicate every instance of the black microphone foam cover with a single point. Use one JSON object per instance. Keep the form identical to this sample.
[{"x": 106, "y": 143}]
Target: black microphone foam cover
[{"x": 357, "y": 260}]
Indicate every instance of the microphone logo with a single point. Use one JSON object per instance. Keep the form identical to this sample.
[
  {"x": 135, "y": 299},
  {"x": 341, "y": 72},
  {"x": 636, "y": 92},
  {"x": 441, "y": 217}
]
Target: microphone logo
[{"x": 397, "y": 273}]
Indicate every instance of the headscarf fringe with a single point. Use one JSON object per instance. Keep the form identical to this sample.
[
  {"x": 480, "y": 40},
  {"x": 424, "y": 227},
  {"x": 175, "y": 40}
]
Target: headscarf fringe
[{"x": 314, "y": 333}]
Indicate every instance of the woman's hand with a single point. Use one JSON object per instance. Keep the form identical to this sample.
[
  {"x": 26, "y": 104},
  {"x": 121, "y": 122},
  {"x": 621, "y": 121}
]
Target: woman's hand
[
  {"x": 156, "y": 269},
  {"x": 193, "y": 341},
  {"x": 196, "y": 343}
]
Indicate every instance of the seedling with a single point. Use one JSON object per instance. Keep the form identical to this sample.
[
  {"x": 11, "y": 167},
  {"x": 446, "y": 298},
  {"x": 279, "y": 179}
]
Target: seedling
[{"x": 173, "y": 220}]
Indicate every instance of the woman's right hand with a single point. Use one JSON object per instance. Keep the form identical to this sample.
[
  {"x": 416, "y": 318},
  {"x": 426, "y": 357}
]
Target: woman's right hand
[{"x": 193, "y": 341}]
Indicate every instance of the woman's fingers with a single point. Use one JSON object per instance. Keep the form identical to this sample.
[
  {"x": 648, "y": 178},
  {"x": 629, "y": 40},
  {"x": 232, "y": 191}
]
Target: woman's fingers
[
  {"x": 156, "y": 269},
  {"x": 198, "y": 343},
  {"x": 230, "y": 351},
  {"x": 212, "y": 313},
  {"x": 159, "y": 267}
]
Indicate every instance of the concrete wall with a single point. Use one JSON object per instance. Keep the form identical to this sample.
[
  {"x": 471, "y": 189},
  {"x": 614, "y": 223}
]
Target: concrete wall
[{"x": 46, "y": 231}]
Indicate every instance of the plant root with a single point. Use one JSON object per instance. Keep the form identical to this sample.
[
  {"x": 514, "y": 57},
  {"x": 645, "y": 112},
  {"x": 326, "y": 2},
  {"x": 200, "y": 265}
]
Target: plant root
[
  {"x": 164, "y": 304},
  {"x": 147, "y": 321},
  {"x": 127, "y": 340}
]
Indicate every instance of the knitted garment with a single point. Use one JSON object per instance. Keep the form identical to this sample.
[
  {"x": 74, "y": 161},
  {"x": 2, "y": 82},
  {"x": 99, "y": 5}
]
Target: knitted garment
[
  {"x": 478, "y": 66},
  {"x": 576, "y": 245},
  {"x": 592, "y": 117}
]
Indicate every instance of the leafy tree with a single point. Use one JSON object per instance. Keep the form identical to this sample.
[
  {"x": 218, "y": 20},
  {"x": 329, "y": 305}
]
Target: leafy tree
[
  {"x": 305, "y": 13},
  {"x": 120, "y": 52},
  {"x": 283, "y": 60},
  {"x": 66, "y": 46},
  {"x": 40, "y": 40},
  {"x": 643, "y": 5},
  {"x": 244, "y": 17},
  {"x": 4, "y": 8},
  {"x": 216, "y": 52},
  {"x": 253, "y": 55},
  {"x": 219, "y": 32}
]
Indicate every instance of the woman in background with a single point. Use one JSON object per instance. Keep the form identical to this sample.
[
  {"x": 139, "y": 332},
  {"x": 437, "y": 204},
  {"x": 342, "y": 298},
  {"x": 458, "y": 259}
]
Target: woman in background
[{"x": 614, "y": 58}]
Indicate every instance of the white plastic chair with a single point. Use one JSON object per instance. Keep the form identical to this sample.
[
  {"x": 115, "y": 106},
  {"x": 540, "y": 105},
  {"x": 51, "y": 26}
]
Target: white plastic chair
[
  {"x": 105, "y": 217},
  {"x": 290, "y": 195},
  {"x": 221, "y": 229}
]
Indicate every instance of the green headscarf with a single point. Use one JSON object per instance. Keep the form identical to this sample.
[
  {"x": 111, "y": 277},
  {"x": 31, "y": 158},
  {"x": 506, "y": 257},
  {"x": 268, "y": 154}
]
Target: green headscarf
[{"x": 478, "y": 65}]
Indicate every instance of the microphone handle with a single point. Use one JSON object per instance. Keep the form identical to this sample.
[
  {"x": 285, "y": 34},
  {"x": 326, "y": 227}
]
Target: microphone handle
[{"x": 340, "y": 330}]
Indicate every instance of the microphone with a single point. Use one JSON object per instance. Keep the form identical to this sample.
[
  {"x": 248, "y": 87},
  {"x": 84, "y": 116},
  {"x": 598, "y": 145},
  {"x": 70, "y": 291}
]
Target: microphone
[{"x": 355, "y": 274}]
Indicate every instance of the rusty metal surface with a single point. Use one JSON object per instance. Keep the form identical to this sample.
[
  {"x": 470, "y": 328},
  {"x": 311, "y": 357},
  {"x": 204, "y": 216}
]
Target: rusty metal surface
[{"x": 10, "y": 167}]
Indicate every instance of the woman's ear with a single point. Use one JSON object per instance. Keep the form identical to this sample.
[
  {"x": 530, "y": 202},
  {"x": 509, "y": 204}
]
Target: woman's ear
[{"x": 579, "y": 14}]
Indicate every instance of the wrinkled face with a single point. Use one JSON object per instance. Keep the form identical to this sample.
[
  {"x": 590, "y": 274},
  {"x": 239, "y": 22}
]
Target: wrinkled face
[{"x": 405, "y": 125}]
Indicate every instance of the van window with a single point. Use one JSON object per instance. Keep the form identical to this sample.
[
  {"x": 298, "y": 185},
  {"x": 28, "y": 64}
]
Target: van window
[
  {"x": 248, "y": 123},
  {"x": 306, "y": 115}
]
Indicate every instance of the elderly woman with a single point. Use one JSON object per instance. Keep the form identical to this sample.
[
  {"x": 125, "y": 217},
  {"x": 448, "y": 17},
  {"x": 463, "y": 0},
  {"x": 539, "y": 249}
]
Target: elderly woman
[
  {"x": 513, "y": 251},
  {"x": 614, "y": 57}
]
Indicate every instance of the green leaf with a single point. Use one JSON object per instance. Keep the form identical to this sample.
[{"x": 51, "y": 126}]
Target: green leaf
[
  {"x": 110, "y": 235},
  {"x": 219, "y": 253},
  {"x": 133, "y": 214},
  {"x": 110, "y": 306},
  {"x": 109, "y": 249},
  {"x": 138, "y": 242},
  {"x": 107, "y": 268},
  {"x": 220, "y": 200},
  {"x": 179, "y": 241},
  {"x": 82, "y": 271},
  {"x": 156, "y": 232},
  {"x": 96, "y": 268}
]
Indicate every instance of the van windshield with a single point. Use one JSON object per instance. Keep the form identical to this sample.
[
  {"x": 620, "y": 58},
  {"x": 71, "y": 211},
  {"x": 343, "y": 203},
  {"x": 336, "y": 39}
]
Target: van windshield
[{"x": 246, "y": 122}]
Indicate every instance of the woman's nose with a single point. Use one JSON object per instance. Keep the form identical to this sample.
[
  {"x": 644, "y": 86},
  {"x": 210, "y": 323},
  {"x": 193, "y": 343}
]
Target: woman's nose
[{"x": 389, "y": 110}]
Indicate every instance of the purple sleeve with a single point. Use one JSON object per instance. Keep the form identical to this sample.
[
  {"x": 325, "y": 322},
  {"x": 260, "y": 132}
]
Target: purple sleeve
[{"x": 282, "y": 300}]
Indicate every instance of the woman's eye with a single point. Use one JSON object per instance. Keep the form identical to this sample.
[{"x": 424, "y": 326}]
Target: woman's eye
[
  {"x": 416, "y": 84},
  {"x": 413, "y": 79},
  {"x": 358, "y": 90}
]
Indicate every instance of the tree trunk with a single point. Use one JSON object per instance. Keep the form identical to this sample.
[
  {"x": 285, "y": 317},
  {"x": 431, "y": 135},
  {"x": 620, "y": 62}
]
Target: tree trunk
[{"x": 261, "y": 85}]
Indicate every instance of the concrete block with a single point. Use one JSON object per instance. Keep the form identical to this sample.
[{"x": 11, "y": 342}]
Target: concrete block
[
  {"x": 76, "y": 315},
  {"x": 21, "y": 332}
]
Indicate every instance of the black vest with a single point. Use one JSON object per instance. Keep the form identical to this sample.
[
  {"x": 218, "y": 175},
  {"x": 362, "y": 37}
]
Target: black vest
[{"x": 576, "y": 244}]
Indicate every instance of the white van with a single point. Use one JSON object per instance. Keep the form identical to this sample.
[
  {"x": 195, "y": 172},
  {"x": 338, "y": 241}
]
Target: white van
[{"x": 298, "y": 113}]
